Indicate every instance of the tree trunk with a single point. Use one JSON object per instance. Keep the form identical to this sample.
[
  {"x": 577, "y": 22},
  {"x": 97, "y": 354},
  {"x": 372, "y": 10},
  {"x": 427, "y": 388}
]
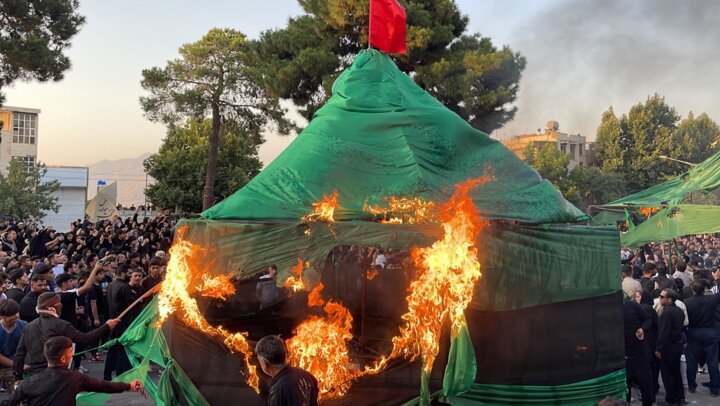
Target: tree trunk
[{"x": 212, "y": 158}]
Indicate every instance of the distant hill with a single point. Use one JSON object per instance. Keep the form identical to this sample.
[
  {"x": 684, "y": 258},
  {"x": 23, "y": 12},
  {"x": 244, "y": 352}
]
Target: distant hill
[{"x": 129, "y": 174}]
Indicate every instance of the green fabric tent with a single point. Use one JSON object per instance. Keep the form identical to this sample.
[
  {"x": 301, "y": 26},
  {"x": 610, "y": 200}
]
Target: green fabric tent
[
  {"x": 674, "y": 221},
  {"x": 702, "y": 177},
  {"x": 545, "y": 323},
  {"x": 381, "y": 135}
]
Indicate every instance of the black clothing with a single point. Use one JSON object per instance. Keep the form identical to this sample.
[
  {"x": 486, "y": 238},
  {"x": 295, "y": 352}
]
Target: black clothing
[
  {"x": 37, "y": 332},
  {"x": 293, "y": 386},
  {"x": 671, "y": 376},
  {"x": 27, "y": 307},
  {"x": 119, "y": 298},
  {"x": 635, "y": 317},
  {"x": 670, "y": 326},
  {"x": 702, "y": 310},
  {"x": 15, "y": 294},
  {"x": 69, "y": 305},
  {"x": 149, "y": 282},
  {"x": 647, "y": 284},
  {"x": 57, "y": 386}
]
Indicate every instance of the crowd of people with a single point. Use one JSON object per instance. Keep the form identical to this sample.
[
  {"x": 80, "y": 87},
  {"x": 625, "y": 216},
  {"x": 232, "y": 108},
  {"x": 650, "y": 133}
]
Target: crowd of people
[
  {"x": 84, "y": 287},
  {"x": 672, "y": 317}
]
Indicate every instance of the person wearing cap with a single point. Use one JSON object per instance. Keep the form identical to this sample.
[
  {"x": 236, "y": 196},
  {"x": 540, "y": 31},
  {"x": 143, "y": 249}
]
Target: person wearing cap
[
  {"x": 58, "y": 385},
  {"x": 38, "y": 285},
  {"x": 49, "y": 324}
]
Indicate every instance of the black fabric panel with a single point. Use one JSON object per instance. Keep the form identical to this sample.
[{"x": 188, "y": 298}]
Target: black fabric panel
[{"x": 551, "y": 344}]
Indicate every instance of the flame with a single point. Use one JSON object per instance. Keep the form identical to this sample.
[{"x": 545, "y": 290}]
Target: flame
[
  {"x": 174, "y": 298},
  {"x": 447, "y": 273},
  {"x": 403, "y": 210},
  {"x": 371, "y": 274},
  {"x": 648, "y": 211},
  {"x": 219, "y": 287},
  {"x": 319, "y": 346},
  {"x": 294, "y": 281},
  {"x": 324, "y": 209},
  {"x": 314, "y": 298}
]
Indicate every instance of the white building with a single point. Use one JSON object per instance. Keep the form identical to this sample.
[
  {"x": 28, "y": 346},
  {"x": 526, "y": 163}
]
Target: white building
[
  {"x": 18, "y": 135},
  {"x": 72, "y": 195}
]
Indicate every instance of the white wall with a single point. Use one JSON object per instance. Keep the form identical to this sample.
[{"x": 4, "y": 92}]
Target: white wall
[{"x": 72, "y": 196}]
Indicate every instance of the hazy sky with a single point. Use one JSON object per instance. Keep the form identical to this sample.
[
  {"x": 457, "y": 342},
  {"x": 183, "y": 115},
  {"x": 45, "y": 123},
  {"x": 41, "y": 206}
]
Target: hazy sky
[{"x": 583, "y": 56}]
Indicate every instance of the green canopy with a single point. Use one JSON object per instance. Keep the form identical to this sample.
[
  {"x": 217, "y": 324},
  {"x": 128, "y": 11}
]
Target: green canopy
[
  {"x": 379, "y": 135},
  {"x": 549, "y": 287},
  {"x": 675, "y": 221},
  {"x": 704, "y": 176}
]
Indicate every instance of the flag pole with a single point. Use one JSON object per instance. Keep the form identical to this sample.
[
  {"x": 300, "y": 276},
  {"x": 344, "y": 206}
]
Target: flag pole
[{"x": 370, "y": 24}]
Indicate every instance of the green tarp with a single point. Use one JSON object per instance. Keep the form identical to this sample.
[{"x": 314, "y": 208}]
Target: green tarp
[
  {"x": 674, "y": 221},
  {"x": 381, "y": 135},
  {"x": 702, "y": 177}
]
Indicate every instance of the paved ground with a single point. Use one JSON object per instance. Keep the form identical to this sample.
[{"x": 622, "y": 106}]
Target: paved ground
[{"x": 701, "y": 397}]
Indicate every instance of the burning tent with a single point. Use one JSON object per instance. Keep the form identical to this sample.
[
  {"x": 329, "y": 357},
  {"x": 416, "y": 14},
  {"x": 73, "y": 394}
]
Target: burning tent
[{"x": 495, "y": 297}]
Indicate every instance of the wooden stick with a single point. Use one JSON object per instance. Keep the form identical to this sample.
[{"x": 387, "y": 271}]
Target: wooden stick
[{"x": 138, "y": 300}]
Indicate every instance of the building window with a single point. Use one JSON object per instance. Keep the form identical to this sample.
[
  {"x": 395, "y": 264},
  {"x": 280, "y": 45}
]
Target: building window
[
  {"x": 582, "y": 147},
  {"x": 27, "y": 161},
  {"x": 572, "y": 151},
  {"x": 563, "y": 148},
  {"x": 24, "y": 128}
]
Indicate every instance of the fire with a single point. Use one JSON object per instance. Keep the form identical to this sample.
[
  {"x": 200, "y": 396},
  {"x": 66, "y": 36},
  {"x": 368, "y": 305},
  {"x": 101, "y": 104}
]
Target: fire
[
  {"x": 294, "y": 281},
  {"x": 319, "y": 346},
  {"x": 371, "y": 274},
  {"x": 648, "y": 211},
  {"x": 174, "y": 298},
  {"x": 315, "y": 298},
  {"x": 447, "y": 273},
  {"x": 324, "y": 209},
  {"x": 403, "y": 210},
  {"x": 219, "y": 287}
]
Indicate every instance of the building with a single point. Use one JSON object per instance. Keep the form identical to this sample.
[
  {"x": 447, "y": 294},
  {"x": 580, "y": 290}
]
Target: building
[
  {"x": 580, "y": 151},
  {"x": 72, "y": 195},
  {"x": 18, "y": 135}
]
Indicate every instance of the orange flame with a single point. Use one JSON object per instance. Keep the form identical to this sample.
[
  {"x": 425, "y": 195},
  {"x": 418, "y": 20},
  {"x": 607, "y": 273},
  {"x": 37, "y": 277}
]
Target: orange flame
[
  {"x": 174, "y": 298},
  {"x": 324, "y": 209},
  {"x": 371, "y": 274},
  {"x": 320, "y": 347},
  {"x": 219, "y": 287},
  {"x": 315, "y": 298},
  {"x": 403, "y": 210},
  {"x": 294, "y": 281},
  {"x": 648, "y": 211},
  {"x": 444, "y": 285}
]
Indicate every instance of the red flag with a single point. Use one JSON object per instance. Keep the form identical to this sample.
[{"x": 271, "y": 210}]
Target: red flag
[{"x": 387, "y": 26}]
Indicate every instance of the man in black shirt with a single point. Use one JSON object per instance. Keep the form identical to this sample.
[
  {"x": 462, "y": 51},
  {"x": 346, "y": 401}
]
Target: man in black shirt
[
  {"x": 702, "y": 337},
  {"x": 38, "y": 285},
  {"x": 670, "y": 346},
  {"x": 119, "y": 297},
  {"x": 57, "y": 385},
  {"x": 289, "y": 385},
  {"x": 637, "y": 356},
  {"x": 19, "y": 280}
]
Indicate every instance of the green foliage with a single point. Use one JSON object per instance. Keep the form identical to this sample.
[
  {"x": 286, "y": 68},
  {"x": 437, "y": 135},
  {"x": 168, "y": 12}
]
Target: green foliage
[
  {"x": 529, "y": 154},
  {"x": 592, "y": 186},
  {"x": 34, "y": 35},
  {"x": 24, "y": 195},
  {"x": 216, "y": 77},
  {"x": 632, "y": 145},
  {"x": 466, "y": 72},
  {"x": 551, "y": 164},
  {"x": 178, "y": 167}
]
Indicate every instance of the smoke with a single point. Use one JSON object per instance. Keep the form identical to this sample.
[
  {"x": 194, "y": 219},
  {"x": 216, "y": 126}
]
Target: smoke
[{"x": 584, "y": 56}]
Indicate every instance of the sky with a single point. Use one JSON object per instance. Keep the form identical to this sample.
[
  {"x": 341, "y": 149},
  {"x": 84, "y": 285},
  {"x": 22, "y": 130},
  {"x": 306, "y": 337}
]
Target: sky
[{"x": 583, "y": 56}]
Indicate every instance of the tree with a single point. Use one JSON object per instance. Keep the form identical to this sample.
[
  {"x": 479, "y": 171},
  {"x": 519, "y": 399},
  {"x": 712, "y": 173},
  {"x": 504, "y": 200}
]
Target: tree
[
  {"x": 699, "y": 137},
  {"x": 645, "y": 134},
  {"x": 24, "y": 195},
  {"x": 551, "y": 164},
  {"x": 592, "y": 186},
  {"x": 34, "y": 35},
  {"x": 216, "y": 77},
  {"x": 178, "y": 166},
  {"x": 466, "y": 72}
]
